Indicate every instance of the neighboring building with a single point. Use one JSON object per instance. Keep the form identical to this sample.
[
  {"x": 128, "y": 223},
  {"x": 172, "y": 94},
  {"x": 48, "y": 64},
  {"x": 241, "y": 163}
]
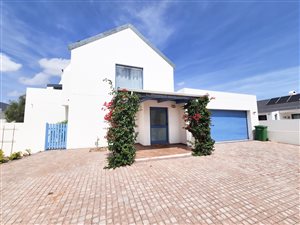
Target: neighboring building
[
  {"x": 3, "y": 107},
  {"x": 279, "y": 108},
  {"x": 124, "y": 56},
  {"x": 281, "y": 115}
]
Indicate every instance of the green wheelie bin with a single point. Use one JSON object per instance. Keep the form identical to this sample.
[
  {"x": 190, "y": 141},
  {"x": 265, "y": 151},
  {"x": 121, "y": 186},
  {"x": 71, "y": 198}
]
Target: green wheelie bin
[{"x": 261, "y": 133}]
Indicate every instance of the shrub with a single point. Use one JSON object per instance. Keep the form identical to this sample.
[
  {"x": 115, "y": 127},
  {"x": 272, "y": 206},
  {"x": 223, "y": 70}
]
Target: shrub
[
  {"x": 15, "y": 155},
  {"x": 197, "y": 118},
  {"x": 63, "y": 122},
  {"x": 3, "y": 159},
  {"x": 121, "y": 135},
  {"x": 1, "y": 154}
]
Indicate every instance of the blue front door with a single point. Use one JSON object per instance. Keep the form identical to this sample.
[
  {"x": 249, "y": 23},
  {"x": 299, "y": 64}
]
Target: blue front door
[
  {"x": 229, "y": 125},
  {"x": 159, "y": 125}
]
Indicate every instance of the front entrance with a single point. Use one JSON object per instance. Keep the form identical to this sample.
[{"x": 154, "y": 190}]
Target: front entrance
[{"x": 159, "y": 125}]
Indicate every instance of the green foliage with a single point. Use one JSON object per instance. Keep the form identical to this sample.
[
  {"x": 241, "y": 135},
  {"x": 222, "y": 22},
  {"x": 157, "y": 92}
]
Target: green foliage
[
  {"x": 3, "y": 159},
  {"x": 15, "y": 110},
  {"x": 63, "y": 122},
  {"x": 15, "y": 155},
  {"x": 121, "y": 135},
  {"x": 197, "y": 118},
  {"x": 1, "y": 153}
]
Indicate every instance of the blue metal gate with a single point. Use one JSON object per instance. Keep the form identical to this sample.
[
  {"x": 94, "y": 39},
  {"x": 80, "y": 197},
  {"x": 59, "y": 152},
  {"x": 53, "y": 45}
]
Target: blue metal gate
[{"x": 56, "y": 136}]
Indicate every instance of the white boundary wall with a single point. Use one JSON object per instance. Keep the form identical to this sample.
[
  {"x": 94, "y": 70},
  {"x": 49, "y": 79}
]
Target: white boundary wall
[
  {"x": 285, "y": 131},
  {"x": 12, "y": 137}
]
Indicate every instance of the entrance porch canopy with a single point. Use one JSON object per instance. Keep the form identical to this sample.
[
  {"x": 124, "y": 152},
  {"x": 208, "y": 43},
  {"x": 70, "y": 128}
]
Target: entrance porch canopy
[{"x": 159, "y": 96}]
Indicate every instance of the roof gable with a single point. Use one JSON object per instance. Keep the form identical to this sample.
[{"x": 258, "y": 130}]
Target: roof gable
[{"x": 115, "y": 30}]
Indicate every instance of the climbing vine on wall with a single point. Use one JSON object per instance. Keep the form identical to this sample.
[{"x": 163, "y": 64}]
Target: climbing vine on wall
[
  {"x": 121, "y": 136},
  {"x": 197, "y": 119}
]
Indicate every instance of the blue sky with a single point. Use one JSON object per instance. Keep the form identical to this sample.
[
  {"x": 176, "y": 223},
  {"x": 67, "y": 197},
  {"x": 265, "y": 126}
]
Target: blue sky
[{"x": 248, "y": 47}]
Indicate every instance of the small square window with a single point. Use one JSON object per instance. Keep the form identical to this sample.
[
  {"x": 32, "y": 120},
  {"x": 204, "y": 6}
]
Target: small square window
[
  {"x": 129, "y": 77},
  {"x": 262, "y": 117}
]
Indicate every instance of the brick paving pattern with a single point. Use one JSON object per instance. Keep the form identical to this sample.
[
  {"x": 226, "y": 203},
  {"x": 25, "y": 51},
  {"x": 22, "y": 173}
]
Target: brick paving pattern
[
  {"x": 241, "y": 183},
  {"x": 162, "y": 152}
]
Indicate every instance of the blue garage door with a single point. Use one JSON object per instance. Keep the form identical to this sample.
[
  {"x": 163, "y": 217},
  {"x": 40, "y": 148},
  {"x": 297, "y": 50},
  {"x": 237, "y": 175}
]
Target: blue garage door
[{"x": 229, "y": 125}]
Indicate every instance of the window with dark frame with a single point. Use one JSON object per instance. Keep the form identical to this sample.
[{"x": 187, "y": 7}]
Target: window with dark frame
[
  {"x": 262, "y": 117},
  {"x": 296, "y": 116},
  {"x": 129, "y": 77}
]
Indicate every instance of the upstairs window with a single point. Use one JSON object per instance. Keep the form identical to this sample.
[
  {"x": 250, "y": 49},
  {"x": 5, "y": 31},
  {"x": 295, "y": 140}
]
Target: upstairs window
[{"x": 129, "y": 77}]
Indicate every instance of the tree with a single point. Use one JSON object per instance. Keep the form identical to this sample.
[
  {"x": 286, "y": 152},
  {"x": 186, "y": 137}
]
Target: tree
[{"x": 15, "y": 111}]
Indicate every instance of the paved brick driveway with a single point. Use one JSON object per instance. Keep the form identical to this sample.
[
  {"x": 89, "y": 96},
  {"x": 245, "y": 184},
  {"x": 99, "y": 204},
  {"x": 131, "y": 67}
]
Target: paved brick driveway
[{"x": 241, "y": 183}]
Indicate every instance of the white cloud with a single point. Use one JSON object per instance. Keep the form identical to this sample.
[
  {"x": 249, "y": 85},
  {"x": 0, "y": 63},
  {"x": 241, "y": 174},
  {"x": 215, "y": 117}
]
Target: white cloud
[
  {"x": 53, "y": 66},
  {"x": 38, "y": 79},
  {"x": 151, "y": 19},
  {"x": 181, "y": 83},
  {"x": 50, "y": 67},
  {"x": 265, "y": 85},
  {"x": 7, "y": 64},
  {"x": 14, "y": 93}
]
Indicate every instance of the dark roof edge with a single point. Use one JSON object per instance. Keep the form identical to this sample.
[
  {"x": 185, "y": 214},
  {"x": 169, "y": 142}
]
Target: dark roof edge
[
  {"x": 164, "y": 93},
  {"x": 113, "y": 31},
  {"x": 55, "y": 86},
  {"x": 268, "y": 99}
]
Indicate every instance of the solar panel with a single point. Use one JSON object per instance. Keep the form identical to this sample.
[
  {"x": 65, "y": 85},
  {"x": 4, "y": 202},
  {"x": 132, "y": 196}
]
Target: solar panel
[
  {"x": 294, "y": 98},
  {"x": 272, "y": 101},
  {"x": 283, "y": 99}
]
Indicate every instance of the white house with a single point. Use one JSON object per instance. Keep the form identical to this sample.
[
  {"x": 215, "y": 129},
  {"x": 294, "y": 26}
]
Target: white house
[
  {"x": 124, "y": 56},
  {"x": 281, "y": 115},
  {"x": 279, "y": 108}
]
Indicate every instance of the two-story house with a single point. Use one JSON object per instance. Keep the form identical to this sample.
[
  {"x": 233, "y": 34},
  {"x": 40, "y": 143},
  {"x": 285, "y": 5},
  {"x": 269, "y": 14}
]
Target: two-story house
[{"x": 124, "y": 56}]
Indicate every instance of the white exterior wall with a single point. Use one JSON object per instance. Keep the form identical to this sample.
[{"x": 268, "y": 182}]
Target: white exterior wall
[
  {"x": 86, "y": 92},
  {"x": 281, "y": 115},
  {"x": 42, "y": 106},
  {"x": 285, "y": 131},
  {"x": 284, "y": 115},
  {"x": 275, "y": 115},
  {"x": 93, "y": 62},
  {"x": 175, "y": 122},
  {"x": 13, "y": 136},
  {"x": 86, "y": 121},
  {"x": 231, "y": 101}
]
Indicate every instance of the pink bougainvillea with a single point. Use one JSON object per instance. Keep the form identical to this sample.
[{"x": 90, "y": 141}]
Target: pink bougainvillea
[
  {"x": 197, "y": 121},
  {"x": 121, "y": 135}
]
